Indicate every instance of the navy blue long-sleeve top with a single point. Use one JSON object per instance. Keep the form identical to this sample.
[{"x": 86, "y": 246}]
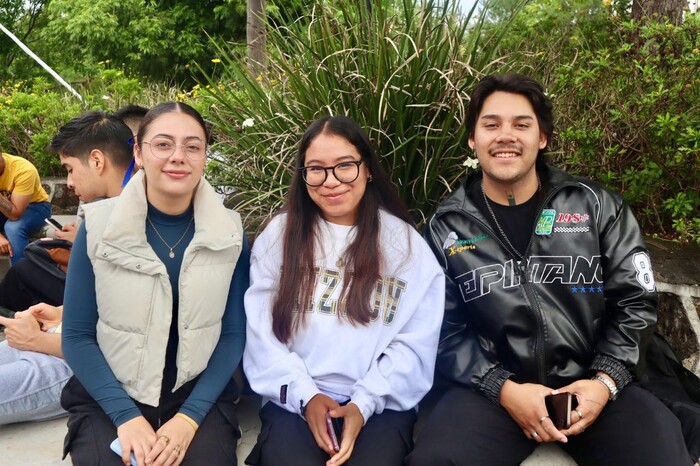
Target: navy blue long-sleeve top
[{"x": 85, "y": 358}]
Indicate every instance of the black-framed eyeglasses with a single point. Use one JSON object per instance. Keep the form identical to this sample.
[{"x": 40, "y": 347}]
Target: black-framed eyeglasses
[
  {"x": 163, "y": 148},
  {"x": 345, "y": 172}
]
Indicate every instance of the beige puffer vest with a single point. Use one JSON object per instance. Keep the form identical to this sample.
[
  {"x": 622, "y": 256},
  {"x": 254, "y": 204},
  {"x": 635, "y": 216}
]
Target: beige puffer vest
[{"x": 134, "y": 297}]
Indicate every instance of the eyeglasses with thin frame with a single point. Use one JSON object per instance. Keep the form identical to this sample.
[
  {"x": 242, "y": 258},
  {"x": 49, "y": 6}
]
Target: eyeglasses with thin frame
[
  {"x": 345, "y": 172},
  {"x": 163, "y": 148}
]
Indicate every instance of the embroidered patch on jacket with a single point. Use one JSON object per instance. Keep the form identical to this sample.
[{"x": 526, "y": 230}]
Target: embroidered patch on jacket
[
  {"x": 453, "y": 245},
  {"x": 645, "y": 276},
  {"x": 574, "y": 217},
  {"x": 545, "y": 222}
]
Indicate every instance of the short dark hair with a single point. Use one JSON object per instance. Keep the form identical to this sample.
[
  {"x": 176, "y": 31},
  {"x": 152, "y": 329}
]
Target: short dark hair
[
  {"x": 515, "y": 84},
  {"x": 170, "y": 107},
  {"x": 94, "y": 130},
  {"x": 131, "y": 115}
]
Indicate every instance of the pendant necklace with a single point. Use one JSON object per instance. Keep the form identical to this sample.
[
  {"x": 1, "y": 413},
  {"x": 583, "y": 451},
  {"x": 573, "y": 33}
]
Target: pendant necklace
[
  {"x": 495, "y": 220},
  {"x": 171, "y": 253}
]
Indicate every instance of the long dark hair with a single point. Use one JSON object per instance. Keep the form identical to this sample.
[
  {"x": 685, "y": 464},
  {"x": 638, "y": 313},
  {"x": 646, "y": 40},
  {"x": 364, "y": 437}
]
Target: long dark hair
[{"x": 363, "y": 256}]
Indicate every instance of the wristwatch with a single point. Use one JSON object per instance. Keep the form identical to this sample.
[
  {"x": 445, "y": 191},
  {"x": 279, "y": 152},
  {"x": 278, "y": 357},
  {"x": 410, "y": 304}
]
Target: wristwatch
[{"x": 605, "y": 381}]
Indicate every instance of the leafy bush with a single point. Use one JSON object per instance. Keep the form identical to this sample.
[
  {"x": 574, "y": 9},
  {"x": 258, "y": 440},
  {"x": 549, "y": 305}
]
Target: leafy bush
[
  {"x": 629, "y": 115},
  {"x": 403, "y": 73},
  {"x": 32, "y": 112}
]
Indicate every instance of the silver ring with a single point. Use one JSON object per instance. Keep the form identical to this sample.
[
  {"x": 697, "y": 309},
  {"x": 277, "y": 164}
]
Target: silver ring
[
  {"x": 580, "y": 416},
  {"x": 535, "y": 435},
  {"x": 543, "y": 418}
]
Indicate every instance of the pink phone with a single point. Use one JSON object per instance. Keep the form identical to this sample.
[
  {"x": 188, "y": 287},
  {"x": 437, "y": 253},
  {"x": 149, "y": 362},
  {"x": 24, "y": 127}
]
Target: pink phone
[{"x": 331, "y": 432}]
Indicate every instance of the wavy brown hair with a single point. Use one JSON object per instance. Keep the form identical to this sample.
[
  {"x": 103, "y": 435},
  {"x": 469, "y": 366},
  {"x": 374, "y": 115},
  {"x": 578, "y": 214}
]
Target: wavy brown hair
[{"x": 363, "y": 256}]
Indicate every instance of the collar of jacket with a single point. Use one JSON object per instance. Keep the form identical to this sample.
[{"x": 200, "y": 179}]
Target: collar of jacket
[
  {"x": 215, "y": 229},
  {"x": 459, "y": 201}
]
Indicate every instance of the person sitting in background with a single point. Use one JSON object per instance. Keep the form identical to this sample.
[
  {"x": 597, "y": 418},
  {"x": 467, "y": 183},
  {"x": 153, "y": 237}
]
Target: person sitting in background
[
  {"x": 24, "y": 204},
  {"x": 95, "y": 151},
  {"x": 94, "y": 148},
  {"x": 131, "y": 115},
  {"x": 32, "y": 369}
]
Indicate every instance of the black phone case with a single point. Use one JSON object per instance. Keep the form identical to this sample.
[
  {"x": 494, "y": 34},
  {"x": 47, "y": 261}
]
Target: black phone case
[{"x": 559, "y": 408}]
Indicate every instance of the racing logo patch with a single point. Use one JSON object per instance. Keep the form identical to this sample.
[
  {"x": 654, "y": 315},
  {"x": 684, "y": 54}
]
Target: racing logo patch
[{"x": 545, "y": 222}]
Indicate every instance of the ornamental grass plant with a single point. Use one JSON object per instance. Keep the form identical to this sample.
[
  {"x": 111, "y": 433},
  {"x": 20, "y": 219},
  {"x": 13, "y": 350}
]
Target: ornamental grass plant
[{"x": 403, "y": 70}]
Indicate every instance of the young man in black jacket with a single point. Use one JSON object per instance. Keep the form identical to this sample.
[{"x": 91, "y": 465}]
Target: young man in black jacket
[{"x": 549, "y": 290}]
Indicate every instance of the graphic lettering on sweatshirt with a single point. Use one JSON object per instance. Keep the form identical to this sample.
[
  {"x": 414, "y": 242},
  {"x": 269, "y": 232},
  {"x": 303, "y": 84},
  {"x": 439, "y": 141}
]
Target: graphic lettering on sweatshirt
[
  {"x": 385, "y": 300},
  {"x": 567, "y": 270}
]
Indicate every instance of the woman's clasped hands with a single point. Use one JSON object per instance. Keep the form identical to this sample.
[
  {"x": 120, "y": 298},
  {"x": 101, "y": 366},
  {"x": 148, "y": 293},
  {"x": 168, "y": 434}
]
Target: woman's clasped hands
[{"x": 353, "y": 421}]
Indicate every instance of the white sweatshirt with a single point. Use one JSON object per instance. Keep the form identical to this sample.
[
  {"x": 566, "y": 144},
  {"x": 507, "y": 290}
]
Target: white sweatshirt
[{"x": 388, "y": 363}]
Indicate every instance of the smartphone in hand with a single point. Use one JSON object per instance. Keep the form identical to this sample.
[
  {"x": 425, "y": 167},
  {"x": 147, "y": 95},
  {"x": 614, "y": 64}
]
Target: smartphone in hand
[
  {"x": 559, "y": 408},
  {"x": 117, "y": 448},
  {"x": 53, "y": 223},
  {"x": 331, "y": 432}
]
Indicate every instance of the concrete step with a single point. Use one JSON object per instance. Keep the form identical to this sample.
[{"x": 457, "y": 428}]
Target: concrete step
[{"x": 41, "y": 443}]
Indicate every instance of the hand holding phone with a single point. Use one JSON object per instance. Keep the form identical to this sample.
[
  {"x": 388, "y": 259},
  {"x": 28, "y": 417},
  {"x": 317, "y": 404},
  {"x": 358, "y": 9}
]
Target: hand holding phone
[
  {"x": 331, "y": 432},
  {"x": 117, "y": 448},
  {"x": 53, "y": 223},
  {"x": 559, "y": 408}
]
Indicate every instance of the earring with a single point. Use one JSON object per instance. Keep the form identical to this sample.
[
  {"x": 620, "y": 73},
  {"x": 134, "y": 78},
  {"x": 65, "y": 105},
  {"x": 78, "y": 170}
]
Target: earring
[{"x": 369, "y": 179}]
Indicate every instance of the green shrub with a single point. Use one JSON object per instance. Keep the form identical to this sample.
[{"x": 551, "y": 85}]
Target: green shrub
[
  {"x": 629, "y": 115},
  {"x": 32, "y": 112},
  {"x": 404, "y": 73}
]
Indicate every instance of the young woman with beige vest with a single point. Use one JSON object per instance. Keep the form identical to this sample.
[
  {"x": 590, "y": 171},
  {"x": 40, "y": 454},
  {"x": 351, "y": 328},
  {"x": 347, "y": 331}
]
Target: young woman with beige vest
[{"x": 154, "y": 325}]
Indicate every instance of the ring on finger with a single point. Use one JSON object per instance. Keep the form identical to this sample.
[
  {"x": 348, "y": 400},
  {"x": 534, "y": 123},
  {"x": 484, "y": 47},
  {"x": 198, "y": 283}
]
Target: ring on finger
[
  {"x": 535, "y": 435},
  {"x": 543, "y": 418},
  {"x": 580, "y": 414},
  {"x": 177, "y": 449},
  {"x": 582, "y": 430},
  {"x": 165, "y": 438}
]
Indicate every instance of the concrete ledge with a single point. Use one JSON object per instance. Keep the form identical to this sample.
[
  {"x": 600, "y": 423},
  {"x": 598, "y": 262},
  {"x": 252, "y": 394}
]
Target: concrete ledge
[{"x": 41, "y": 443}]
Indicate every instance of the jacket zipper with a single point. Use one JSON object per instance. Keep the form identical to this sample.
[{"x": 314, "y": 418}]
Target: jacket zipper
[{"x": 540, "y": 354}]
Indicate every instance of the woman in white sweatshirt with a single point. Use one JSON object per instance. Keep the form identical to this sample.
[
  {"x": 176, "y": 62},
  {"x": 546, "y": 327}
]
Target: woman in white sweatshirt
[{"x": 343, "y": 311}]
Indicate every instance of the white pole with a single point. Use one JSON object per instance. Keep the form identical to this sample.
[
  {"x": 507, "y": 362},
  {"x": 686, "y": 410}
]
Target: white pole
[{"x": 40, "y": 61}]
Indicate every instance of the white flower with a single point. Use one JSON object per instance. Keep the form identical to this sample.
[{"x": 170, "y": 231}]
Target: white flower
[
  {"x": 106, "y": 97},
  {"x": 247, "y": 123},
  {"x": 471, "y": 163}
]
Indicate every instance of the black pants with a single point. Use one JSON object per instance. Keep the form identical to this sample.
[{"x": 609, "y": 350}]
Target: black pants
[
  {"x": 286, "y": 440},
  {"x": 26, "y": 284},
  {"x": 90, "y": 431},
  {"x": 465, "y": 428}
]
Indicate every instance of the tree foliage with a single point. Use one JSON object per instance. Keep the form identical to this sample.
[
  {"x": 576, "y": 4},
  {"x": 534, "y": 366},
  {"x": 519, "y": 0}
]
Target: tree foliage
[{"x": 156, "y": 40}]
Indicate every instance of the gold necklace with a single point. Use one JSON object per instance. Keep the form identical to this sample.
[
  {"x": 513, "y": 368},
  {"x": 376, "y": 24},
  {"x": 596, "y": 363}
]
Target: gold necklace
[{"x": 172, "y": 253}]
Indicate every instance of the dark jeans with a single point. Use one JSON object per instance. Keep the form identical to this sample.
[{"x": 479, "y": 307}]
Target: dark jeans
[
  {"x": 90, "y": 431},
  {"x": 286, "y": 440},
  {"x": 26, "y": 284},
  {"x": 465, "y": 428}
]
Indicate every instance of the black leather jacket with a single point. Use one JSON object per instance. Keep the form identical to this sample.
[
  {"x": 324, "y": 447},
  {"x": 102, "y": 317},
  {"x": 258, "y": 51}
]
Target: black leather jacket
[{"x": 583, "y": 300}]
